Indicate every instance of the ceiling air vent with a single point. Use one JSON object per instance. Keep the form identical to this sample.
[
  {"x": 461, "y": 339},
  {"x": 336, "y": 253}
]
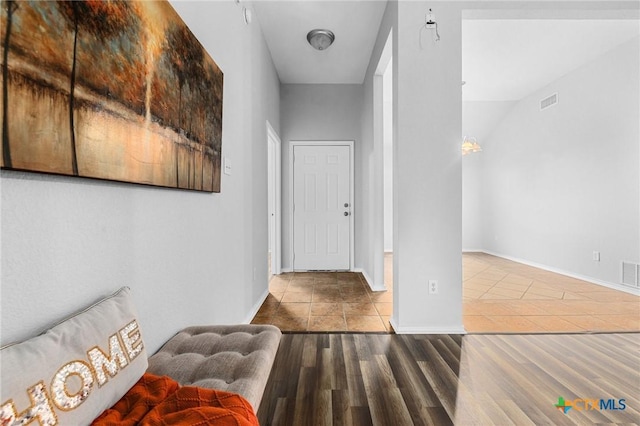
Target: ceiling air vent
[
  {"x": 631, "y": 274},
  {"x": 549, "y": 101}
]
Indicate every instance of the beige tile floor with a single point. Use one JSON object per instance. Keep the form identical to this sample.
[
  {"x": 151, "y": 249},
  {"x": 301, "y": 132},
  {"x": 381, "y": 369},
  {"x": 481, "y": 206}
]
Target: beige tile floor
[
  {"x": 504, "y": 296},
  {"x": 325, "y": 301},
  {"x": 498, "y": 296}
]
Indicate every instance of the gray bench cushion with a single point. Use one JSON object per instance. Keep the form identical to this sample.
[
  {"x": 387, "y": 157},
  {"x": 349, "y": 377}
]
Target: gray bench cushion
[{"x": 235, "y": 358}]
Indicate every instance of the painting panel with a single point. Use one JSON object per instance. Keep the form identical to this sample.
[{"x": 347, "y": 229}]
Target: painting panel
[{"x": 109, "y": 89}]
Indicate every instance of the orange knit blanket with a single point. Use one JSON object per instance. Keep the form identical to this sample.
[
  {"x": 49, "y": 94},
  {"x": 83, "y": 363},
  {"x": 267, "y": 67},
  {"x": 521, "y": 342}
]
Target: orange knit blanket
[{"x": 156, "y": 400}]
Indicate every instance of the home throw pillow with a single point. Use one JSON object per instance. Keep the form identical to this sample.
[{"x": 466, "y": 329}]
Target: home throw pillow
[{"x": 77, "y": 369}]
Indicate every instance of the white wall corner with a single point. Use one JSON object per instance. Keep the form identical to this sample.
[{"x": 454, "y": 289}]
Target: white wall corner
[
  {"x": 256, "y": 307},
  {"x": 373, "y": 286}
]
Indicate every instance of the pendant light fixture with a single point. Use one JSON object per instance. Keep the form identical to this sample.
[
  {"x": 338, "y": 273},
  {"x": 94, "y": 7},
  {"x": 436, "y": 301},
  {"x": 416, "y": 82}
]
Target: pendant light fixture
[
  {"x": 470, "y": 144},
  {"x": 320, "y": 39}
]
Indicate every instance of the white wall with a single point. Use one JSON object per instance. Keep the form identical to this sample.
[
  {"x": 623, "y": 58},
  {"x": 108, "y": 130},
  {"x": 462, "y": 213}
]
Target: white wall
[
  {"x": 189, "y": 257},
  {"x": 387, "y": 147},
  {"x": 427, "y": 171},
  {"x": 561, "y": 183},
  {"x": 264, "y": 97},
  {"x": 370, "y": 259},
  {"x": 479, "y": 119},
  {"x": 472, "y": 195},
  {"x": 319, "y": 112}
]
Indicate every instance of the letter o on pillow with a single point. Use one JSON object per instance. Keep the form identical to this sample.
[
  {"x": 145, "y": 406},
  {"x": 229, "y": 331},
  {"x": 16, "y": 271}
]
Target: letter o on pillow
[{"x": 62, "y": 397}]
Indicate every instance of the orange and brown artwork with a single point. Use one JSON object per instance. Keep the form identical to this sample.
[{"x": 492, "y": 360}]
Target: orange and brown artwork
[{"x": 109, "y": 89}]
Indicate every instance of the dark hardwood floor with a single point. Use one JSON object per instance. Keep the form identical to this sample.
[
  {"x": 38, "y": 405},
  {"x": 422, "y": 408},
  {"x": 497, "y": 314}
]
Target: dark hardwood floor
[{"x": 388, "y": 379}]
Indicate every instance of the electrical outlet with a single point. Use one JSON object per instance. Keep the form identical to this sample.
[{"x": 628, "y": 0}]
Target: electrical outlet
[
  {"x": 596, "y": 256},
  {"x": 433, "y": 286}
]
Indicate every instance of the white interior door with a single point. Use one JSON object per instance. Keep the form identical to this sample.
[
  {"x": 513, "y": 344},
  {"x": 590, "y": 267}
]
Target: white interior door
[
  {"x": 273, "y": 188},
  {"x": 321, "y": 207},
  {"x": 271, "y": 204}
]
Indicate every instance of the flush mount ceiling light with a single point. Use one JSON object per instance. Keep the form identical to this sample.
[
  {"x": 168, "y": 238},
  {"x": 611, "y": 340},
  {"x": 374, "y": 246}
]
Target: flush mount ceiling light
[{"x": 320, "y": 39}]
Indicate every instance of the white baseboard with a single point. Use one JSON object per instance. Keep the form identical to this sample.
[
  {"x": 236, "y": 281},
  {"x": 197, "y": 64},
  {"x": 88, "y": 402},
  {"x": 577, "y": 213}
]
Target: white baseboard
[
  {"x": 426, "y": 330},
  {"x": 369, "y": 281},
  {"x": 613, "y": 286},
  {"x": 285, "y": 270},
  {"x": 255, "y": 308},
  {"x": 468, "y": 250}
]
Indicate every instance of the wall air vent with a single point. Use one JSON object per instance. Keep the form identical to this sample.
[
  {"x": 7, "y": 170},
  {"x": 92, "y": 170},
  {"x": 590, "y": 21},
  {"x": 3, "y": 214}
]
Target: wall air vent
[
  {"x": 631, "y": 274},
  {"x": 549, "y": 101}
]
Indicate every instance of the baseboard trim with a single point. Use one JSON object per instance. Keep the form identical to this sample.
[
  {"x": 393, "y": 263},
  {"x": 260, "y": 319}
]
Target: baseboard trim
[
  {"x": 368, "y": 279},
  {"x": 613, "y": 286},
  {"x": 426, "y": 330},
  {"x": 256, "y": 307},
  {"x": 285, "y": 270}
]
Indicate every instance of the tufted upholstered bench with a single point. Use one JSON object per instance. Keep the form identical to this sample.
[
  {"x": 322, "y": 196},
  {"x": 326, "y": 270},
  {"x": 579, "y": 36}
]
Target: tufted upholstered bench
[{"x": 233, "y": 358}]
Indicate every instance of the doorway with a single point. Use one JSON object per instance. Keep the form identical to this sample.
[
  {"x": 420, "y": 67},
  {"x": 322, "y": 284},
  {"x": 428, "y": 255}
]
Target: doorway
[
  {"x": 322, "y": 205},
  {"x": 383, "y": 148},
  {"x": 387, "y": 153},
  {"x": 506, "y": 231},
  {"x": 273, "y": 201}
]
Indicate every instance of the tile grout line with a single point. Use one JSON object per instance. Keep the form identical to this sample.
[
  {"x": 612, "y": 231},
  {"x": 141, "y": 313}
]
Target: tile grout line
[{"x": 527, "y": 290}]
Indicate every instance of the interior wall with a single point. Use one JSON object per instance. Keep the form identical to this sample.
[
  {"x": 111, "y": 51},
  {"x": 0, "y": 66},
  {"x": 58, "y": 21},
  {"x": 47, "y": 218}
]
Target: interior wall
[
  {"x": 479, "y": 119},
  {"x": 387, "y": 147},
  {"x": 370, "y": 259},
  {"x": 319, "y": 112},
  {"x": 562, "y": 183},
  {"x": 427, "y": 171},
  {"x": 264, "y": 98},
  {"x": 189, "y": 257},
  {"x": 472, "y": 196}
]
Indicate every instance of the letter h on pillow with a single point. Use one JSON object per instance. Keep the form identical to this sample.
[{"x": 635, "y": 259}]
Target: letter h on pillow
[{"x": 74, "y": 371}]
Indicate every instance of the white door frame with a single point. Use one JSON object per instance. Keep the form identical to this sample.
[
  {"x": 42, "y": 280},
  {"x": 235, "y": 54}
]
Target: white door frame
[
  {"x": 276, "y": 255},
  {"x": 377, "y": 214},
  {"x": 349, "y": 144}
]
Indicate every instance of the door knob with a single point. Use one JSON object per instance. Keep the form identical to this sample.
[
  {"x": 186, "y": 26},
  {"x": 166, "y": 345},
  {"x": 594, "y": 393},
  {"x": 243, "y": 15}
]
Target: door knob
[
  {"x": 346, "y": 204},
  {"x": 346, "y": 213}
]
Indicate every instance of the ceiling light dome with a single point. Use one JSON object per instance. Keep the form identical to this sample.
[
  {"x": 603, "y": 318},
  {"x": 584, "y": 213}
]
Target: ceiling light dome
[{"x": 320, "y": 39}]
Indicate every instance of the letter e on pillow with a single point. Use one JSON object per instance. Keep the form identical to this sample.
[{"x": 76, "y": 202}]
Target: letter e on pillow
[{"x": 130, "y": 335}]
